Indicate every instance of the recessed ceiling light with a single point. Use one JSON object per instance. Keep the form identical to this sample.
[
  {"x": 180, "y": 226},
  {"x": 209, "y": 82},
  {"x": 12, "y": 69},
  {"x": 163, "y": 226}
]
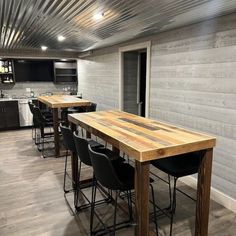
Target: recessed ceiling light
[
  {"x": 61, "y": 38},
  {"x": 98, "y": 16},
  {"x": 44, "y": 48}
]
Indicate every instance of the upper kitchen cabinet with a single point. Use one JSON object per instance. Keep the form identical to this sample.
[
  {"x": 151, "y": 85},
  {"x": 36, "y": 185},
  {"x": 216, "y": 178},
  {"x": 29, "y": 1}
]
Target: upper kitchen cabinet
[
  {"x": 6, "y": 71},
  {"x": 65, "y": 71}
]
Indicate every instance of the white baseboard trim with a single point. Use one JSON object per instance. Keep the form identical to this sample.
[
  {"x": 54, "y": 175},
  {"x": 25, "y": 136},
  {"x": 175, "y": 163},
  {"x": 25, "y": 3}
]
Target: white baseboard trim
[{"x": 216, "y": 195}]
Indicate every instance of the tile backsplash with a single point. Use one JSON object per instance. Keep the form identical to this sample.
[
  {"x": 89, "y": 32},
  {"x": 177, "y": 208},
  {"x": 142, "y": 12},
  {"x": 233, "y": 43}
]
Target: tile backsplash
[{"x": 25, "y": 88}]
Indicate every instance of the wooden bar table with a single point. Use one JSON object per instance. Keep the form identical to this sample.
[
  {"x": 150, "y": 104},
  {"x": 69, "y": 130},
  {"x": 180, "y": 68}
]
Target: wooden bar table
[
  {"x": 145, "y": 140},
  {"x": 56, "y": 102}
]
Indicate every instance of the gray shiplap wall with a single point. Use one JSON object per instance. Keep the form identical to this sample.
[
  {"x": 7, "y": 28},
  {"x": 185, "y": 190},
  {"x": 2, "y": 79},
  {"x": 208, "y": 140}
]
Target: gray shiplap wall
[
  {"x": 98, "y": 80},
  {"x": 193, "y": 84}
]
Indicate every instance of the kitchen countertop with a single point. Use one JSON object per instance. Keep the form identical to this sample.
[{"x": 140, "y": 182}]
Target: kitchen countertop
[
  {"x": 22, "y": 98},
  {"x": 16, "y": 99}
]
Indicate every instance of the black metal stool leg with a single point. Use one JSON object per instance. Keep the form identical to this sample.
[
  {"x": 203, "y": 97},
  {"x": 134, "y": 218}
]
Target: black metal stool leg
[
  {"x": 154, "y": 209},
  {"x": 93, "y": 198},
  {"x": 130, "y": 205},
  {"x": 36, "y": 137},
  {"x": 32, "y": 133},
  {"x": 65, "y": 171},
  {"x": 43, "y": 147},
  {"x": 114, "y": 221},
  {"x": 77, "y": 188}
]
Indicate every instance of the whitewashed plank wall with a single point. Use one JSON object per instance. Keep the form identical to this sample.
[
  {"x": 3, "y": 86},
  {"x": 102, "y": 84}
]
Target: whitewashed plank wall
[
  {"x": 193, "y": 84},
  {"x": 98, "y": 80}
]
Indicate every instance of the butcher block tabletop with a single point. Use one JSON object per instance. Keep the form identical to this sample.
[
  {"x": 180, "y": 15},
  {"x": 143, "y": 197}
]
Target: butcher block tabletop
[
  {"x": 141, "y": 138},
  {"x": 60, "y": 101}
]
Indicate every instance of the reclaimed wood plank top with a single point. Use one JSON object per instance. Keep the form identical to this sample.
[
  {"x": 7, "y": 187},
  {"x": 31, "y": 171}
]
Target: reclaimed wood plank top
[
  {"x": 59, "y": 101},
  {"x": 141, "y": 138}
]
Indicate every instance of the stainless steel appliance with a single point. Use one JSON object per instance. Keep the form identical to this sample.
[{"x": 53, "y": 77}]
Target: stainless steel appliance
[{"x": 25, "y": 115}]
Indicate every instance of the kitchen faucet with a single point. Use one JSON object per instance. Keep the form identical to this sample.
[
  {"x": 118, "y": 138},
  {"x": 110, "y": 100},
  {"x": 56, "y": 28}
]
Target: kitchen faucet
[{"x": 2, "y": 95}]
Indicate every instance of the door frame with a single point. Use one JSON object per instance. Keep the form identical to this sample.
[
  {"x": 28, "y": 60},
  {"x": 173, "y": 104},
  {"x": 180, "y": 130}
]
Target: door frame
[{"x": 144, "y": 45}]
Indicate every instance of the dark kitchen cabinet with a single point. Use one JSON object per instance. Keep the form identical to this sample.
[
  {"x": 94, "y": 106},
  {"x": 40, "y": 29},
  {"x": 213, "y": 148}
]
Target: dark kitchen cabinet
[
  {"x": 9, "y": 114},
  {"x": 65, "y": 72},
  {"x": 2, "y": 116}
]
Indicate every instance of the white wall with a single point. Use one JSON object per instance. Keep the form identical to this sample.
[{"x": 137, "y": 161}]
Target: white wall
[{"x": 193, "y": 84}]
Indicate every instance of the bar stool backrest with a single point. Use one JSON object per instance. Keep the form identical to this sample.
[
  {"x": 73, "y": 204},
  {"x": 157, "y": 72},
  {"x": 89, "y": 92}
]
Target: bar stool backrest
[
  {"x": 81, "y": 145},
  {"x": 67, "y": 136},
  {"x": 31, "y": 106},
  {"x": 38, "y": 118},
  {"x": 92, "y": 107},
  {"x": 104, "y": 170}
]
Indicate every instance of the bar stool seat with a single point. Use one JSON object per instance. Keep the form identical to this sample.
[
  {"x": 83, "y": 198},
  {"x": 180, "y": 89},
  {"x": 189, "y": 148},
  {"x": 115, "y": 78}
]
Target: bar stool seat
[{"x": 180, "y": 165}]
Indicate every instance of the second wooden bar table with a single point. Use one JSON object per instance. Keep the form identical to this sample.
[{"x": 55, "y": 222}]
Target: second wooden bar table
[
  {"x": 60, "y": 101},
  {"x": 145, "y": 140}
]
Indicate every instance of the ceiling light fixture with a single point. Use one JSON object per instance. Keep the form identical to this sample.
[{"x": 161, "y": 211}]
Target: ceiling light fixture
[
  {"x": 61, "y": 38},
  {"x": 44, "y": 48},
  {"x": 98, "y": 16}
]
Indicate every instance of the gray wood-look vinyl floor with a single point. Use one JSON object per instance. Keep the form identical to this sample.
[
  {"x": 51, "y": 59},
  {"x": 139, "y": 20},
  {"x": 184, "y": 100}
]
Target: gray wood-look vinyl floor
[{"x": 32, "y": 200}]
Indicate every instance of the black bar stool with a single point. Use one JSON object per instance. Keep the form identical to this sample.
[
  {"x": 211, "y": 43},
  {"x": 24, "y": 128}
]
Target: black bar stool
[
  {"x": 178, "y": 166},
  {"x": 81, "y": 145},
  {"x": 68, "y": 142},
  {"x": 41, "y": 122},
  {"x": 116, "y": 176}
]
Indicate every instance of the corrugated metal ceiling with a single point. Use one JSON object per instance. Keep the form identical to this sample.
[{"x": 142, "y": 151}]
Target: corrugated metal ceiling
[{"x": 28, "y": 24}]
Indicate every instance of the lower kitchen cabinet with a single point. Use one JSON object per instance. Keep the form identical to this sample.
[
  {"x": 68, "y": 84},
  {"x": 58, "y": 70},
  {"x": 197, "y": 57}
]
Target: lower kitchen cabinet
[
  {"x": 9, "y": 114},
  {"x": 2, "y": 116}
]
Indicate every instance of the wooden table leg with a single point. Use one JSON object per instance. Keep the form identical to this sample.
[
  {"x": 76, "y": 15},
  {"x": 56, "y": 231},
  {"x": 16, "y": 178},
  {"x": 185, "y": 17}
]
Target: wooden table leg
[
  {"x": 116, "y": 150},
  {"x": 56, "y": 131},
  {"x": 142, "y": 198},
  {"x": 203, "y": 195},
  {"x": 88, "y": 134}
]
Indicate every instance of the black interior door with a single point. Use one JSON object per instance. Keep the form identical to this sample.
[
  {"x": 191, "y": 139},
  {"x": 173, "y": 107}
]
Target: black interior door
[{"x": 143, "y": 71}]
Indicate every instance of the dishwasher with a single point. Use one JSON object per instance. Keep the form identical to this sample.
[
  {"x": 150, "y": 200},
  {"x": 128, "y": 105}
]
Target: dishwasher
[{"x": 25, "y": 115}]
